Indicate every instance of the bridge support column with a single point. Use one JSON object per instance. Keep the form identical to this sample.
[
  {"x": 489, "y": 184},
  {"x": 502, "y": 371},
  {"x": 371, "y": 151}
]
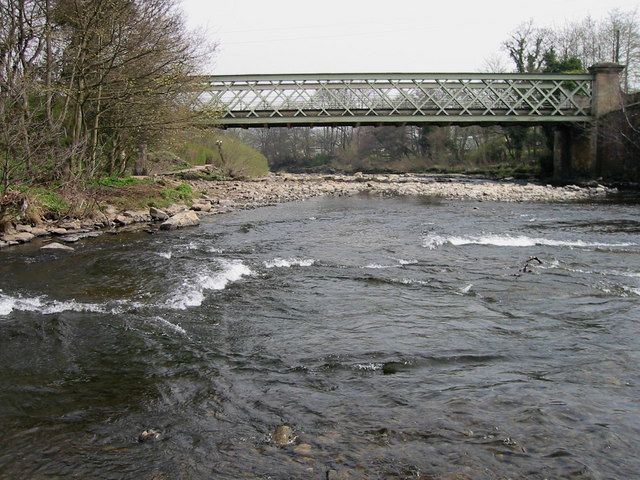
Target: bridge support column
[{"x": 575, "y": 152}]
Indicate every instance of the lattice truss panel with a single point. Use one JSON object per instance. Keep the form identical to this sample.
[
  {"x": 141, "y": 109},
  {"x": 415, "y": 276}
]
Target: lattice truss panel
[{"x": 375, "y": 98}]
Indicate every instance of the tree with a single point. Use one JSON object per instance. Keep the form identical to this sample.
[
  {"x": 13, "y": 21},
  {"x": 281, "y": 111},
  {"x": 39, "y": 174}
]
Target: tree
[{"x": 87, "y": 84}]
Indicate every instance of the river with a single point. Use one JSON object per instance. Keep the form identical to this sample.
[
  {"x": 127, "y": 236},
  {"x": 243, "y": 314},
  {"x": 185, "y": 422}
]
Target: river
[{"x": 399, "y": 338}]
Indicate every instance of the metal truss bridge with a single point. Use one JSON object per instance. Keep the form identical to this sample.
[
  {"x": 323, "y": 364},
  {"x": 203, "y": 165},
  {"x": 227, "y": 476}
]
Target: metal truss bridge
[{"x": 396, "y": 99}]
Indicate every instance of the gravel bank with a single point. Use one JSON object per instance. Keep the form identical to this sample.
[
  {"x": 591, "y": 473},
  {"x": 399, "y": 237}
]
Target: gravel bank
[{"x": 225, "y": 197}]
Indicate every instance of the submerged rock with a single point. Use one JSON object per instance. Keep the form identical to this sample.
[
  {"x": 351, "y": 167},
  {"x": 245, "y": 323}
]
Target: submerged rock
[
  {"x": 391, "y": 368},
  {"x": 57, "y": 246},
  {"x": 79, "y": 236},
  {"x": 283, "y": 435},
  {"x": 180, "y": 220},
  {"x": 148, "y": 436},
  {"x": 303, "y": 449}
]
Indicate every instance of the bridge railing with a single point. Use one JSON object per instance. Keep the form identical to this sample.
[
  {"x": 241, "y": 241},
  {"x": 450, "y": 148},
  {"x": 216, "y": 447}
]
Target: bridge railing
[{"x": 361, "y": 99}]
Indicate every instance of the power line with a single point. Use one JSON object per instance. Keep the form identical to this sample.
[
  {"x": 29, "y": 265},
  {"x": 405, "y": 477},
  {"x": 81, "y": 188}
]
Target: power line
[{"x": 319, "y": 37}]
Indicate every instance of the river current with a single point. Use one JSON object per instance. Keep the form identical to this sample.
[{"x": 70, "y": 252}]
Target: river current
[{"x": 399, "y": 338}]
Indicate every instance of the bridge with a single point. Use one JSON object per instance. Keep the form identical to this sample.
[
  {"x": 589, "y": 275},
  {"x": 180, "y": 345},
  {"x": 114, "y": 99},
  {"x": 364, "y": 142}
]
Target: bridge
[
  {"x": 572, "y": 103},
  {"x": 398, "y": 99}
]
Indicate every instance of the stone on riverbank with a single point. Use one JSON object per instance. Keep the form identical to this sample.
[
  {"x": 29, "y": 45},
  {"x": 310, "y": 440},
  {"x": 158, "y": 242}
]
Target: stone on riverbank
[
  {"x": 175, "y": 209},
  {"x": 158, "y": 215},
  {"x": 181, "y": 220},
  {"x": 201, "y": 207},
  {"x": 40, "y": 232},
  {"x": 57, "y": 246},
  {"x": 22, "y": 237}
]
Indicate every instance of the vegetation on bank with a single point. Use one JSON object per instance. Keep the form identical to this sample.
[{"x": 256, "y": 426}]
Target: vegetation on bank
[
  {"x": 93, "y": 91},
  {"x": 35, "y": 204}
]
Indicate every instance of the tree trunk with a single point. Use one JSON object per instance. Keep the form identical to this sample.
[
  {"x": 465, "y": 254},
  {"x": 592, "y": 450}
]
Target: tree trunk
[{"x": 141, "y": 163}]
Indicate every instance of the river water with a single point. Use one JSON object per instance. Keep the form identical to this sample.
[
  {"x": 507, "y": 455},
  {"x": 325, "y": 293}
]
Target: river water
[{"x": 399, "y": 338}]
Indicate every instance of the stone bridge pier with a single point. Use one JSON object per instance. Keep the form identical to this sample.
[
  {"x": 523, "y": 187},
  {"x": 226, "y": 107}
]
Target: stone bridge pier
[{"x": 576, "y": 146}]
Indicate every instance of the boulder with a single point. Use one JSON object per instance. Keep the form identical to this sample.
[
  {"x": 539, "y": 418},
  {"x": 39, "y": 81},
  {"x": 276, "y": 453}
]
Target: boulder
[
  {"x": 21, "y": 237},
  {"x": 58, "y": 231},
  {"x": 24, "y": 228},
  {"x": 180, "y": 220},
  {"x": 158, "y": 215},
  {"x": 57, "y": 246}
]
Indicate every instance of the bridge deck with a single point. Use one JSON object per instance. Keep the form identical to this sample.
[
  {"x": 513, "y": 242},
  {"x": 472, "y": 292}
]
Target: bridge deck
[{"x": 396, "y": 99}]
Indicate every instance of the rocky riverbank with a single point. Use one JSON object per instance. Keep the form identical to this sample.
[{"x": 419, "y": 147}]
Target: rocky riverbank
[{"x": 215, "y": 197}]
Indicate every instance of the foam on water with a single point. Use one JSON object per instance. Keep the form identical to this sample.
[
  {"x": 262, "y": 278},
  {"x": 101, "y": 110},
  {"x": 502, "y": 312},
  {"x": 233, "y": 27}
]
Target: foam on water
[
  {"x": 44, "y": 306},
  {"x": 166, "y": 255},
  {"x": 193, "y": 293},
  {"x": 169, "y": 325},
  {"x": 372, "y": 367},
  {"x": 288, "y": 262},
  {"x": 376, "y": 266},
  {"x": 407, "y": 262},
  {"x": 434, "y": 241},
  {"x": 401, "y": 263}
]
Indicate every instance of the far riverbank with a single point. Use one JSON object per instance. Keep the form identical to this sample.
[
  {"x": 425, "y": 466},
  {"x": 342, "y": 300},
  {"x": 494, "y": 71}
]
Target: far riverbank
[{"x": 215, "y": 197}]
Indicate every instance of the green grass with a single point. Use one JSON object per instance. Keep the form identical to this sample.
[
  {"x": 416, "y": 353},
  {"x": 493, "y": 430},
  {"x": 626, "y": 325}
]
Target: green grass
[
  {"x": 45, "y": 198},
  {"x": 117, "y": 182},
  {"x": 181, "y": 193}
]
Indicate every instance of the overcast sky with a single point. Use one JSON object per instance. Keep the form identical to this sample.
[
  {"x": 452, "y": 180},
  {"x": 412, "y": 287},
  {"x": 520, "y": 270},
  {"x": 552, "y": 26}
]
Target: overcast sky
[{"x": 298, "y": 36}]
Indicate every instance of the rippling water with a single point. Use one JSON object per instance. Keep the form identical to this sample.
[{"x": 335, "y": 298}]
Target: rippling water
[{"x": 399, "y": 338}]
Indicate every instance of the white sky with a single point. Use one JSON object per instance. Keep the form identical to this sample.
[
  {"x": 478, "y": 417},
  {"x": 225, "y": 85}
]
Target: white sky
[{"x": 298, "y": 36}]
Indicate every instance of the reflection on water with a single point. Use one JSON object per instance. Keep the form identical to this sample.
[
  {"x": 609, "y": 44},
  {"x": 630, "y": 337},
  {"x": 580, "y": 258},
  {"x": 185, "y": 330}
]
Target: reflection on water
[{"x": 399, "y": 338}]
